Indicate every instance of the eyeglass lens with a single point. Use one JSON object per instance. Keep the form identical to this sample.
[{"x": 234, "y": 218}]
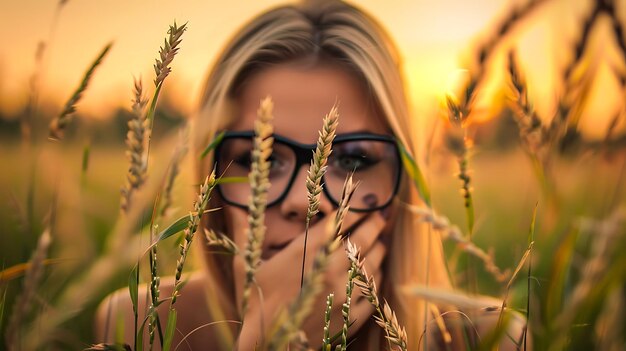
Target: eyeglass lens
[{"x": 374, "y": 163}]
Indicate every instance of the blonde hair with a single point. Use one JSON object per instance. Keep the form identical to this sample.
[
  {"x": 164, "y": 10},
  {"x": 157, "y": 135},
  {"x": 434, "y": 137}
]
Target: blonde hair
[{"x": 342, "y": 34}]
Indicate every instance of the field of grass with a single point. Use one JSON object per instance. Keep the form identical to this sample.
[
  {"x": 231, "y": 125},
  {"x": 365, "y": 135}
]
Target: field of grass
[
  {"x": 508, "y": 182},
  {"x": 505, "y": 191}
]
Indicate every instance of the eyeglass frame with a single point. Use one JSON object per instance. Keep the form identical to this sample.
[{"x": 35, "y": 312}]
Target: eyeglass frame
[{"x": 304, "y": 155}]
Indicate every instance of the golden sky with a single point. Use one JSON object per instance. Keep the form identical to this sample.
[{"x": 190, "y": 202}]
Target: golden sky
[{"x": 433, "y": 37}]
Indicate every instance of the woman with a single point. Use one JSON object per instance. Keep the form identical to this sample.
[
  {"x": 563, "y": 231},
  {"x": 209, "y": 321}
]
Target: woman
[{"x": 307, "y": 57}]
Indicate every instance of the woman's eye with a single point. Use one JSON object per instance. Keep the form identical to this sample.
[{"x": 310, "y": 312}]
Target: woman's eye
[
  {"x": 276, "y": 163},
  {"x": 353, "y": 163},
  {"x": 244, "y": 160}
]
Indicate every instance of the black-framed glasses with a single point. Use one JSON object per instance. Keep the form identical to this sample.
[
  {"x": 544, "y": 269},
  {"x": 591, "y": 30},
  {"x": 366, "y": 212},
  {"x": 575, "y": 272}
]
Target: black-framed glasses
[{"x": 374, "y": 160}]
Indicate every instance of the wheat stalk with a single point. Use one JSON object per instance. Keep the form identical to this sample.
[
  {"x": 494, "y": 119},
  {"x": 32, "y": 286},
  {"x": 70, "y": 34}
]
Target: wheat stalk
[
  {"x": 288, "y": 325},
  {"x": 454, "y": 234},
  {"x": 259, "y": 184},
  {"x": 532, "y": 132},
  {"x": 136, "y": 153},
  {"x": 326, "y": 343},
  {"x": 24, "y": 300},
  {"x": 385, "y": 317},
  {"x": 167, "y": 52},
  {"x": 460, "y": 109},
  {"x": 221, "y": 240},
  {"x": 318, "y": 163},
  {"x": 155, "y": 282},
  {"x": 58, "y": 125},
  {"x": 316, "y": 172},
  {"x": 192, "y": 227},
  {"x": 345, "y": 308}
]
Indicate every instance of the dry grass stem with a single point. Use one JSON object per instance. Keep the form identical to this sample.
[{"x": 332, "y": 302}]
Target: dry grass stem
[
  {"x": 259, "y": 184},
  {"x": 58, "y": 125},
  {"x": 222, "y": 241},
  {"x": 453, "y": 233},
  {"x": 136, "y": 140},
  {"x": 533, "y": 135},
  {"x": 109, "y": 347},
  {"x": 445, "y": 297},
  {"x": 287, "y": 326},
  {"x": 192, "y": 227},
  {"x": 397, "y": 334},
  {"x": 167, "y": 53},
  {"x": 24, "y": 300},
  {"x": 441, "y": 325},
  {"x": 385, "y": 317}
]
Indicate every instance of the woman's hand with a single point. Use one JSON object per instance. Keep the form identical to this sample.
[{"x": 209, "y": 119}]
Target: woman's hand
[{"x": 278, "y": 280}]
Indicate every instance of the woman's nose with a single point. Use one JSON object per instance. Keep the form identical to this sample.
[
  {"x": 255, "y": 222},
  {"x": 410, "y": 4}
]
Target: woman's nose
[{"x": 296, "y": 203}]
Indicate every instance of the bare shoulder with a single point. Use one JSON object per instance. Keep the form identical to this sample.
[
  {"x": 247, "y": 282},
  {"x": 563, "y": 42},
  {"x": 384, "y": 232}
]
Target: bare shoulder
[
  {"x": 491, "y": 326},
  {"x": 506, "y": 328},
  {"x": 115, "y": 319}
]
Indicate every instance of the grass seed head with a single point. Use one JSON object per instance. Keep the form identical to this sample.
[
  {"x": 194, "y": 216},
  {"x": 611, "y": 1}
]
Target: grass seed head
[
  {"x": 167, "y": 53},
  {"x": 318, "y": 163}
]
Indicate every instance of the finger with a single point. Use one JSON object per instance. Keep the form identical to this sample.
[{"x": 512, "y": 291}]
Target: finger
[
  {"x": 318, "y": 235},
  {"x": 365, "y": 234},
  {"x": 374, "y": 258},
  {"x": 349, "y": 223},
  {"x": 361, "y": 311},
  {"x": 366, "y": 230}
]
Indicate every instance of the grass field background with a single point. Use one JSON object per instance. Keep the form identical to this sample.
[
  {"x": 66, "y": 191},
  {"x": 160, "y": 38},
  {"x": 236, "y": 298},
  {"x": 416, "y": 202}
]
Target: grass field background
[{"x": 574, "y": 281}]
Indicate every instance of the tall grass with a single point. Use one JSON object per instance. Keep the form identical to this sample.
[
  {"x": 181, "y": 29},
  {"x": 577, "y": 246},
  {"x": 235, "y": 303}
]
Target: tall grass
[{"x": 573, "y": 259}]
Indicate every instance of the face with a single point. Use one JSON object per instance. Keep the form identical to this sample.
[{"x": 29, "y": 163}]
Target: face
[{"x": 303, "y": 94}]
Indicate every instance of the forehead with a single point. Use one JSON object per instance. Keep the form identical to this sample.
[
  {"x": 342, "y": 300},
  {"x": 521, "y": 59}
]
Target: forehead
[{"x": 303, "y": 95}]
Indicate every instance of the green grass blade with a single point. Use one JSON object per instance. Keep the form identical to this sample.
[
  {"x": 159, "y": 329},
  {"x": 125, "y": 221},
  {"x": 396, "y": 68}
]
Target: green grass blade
[
  {"x": 213, "y": 144},
  {"x": 416, "y": 174},
  {"x": 133, "y": 287},
  {"x": 178, "y": 226},
  {"x": 153, "y": 103},
  {"x": 139, "y": 336},
  {"x": 169, "y": 330},
  {"x": 560, "y": 273},
  {"x": 2, "y": 306},
  {"x": 531, "y": 239},
  {"x": 85, "y": 164},
  {"x": 230, "y": 180}
]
